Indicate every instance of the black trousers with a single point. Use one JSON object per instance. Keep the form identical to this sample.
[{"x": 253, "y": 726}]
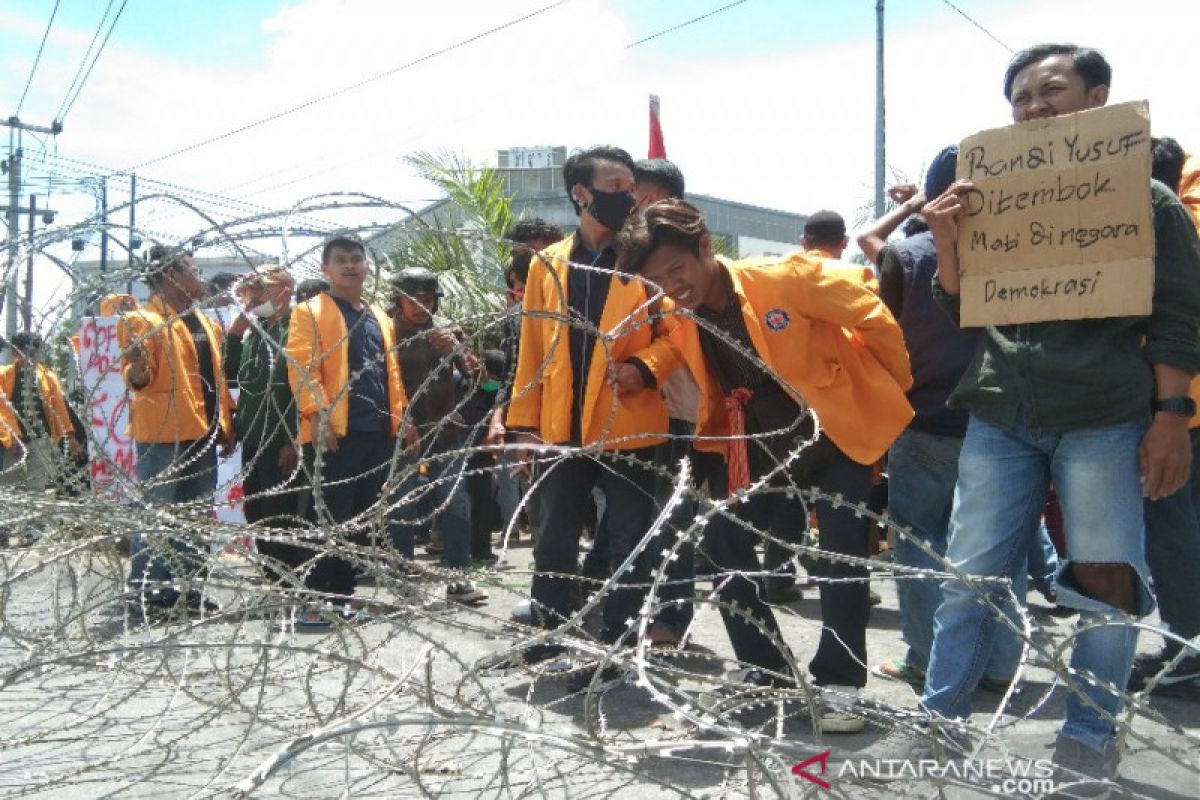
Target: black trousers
[
  {"x": 842, "y": 653},
  {"x": 485, "y": 511},
  {"x": 271, "y": 500},
  {"x": 630, "y": 507},
  {"x": 349, "y": 482}
]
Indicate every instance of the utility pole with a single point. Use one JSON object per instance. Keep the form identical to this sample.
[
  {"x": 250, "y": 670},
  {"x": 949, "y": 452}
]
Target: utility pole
[
  {"x": 880, "y": 137},
  {"x": 13, "y": 166},
  {"x": 9, "y": 296},
  {"x": 28, "y": 309}
]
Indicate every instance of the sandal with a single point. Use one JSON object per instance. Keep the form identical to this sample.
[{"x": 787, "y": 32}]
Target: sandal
[{"x": 900, "y": 670}]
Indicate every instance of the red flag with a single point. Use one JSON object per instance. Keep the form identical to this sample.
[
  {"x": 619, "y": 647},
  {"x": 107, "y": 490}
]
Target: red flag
[{"x": 658, "y": 148}]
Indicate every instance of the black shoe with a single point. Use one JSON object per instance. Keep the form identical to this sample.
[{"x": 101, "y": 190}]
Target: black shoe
[
  {"x": 1081, "y": 772},
  {"x": 1182, "y": 681},
  {"x": 196, "y": 603},
  {"x": 782, "y": 595},
  {"x": 521, "y": 659},
  {"x": 589, "y": 679},
  {"x": 151, "y": 605}
]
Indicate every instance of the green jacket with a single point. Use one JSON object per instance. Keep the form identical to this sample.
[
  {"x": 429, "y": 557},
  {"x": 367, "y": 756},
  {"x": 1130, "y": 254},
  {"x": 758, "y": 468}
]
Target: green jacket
[
  {"x": 266, "y": 411},
  {"x": 1090, "y": 373}
]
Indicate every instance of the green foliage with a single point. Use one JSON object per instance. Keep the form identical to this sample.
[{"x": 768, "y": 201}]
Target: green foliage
[{"x": 460, "y": 238}]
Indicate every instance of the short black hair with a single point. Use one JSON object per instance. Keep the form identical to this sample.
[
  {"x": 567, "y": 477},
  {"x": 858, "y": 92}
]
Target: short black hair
[
  {"x": 662, "y": 173},
  {"x": 161, "y": 259},
  {"x": 1091, "y": 64},
  {"x": 26, "y": 341},
  {"x": 581, "y": 166},
  {"x": 825, "y": 228},
  {"x": 518, "y": 267},
  {"x": 310, "y": 288},
  {"x": 914, "y": 225},
  {"x": 493, "y": 361},
  {"x": 1166, "y": 160},
  {"x": 525, "y": 232},
  {"x": 341, "y": 243},
  {"x": 533, "y": 229},
  {"x": 222, "y": 281}
]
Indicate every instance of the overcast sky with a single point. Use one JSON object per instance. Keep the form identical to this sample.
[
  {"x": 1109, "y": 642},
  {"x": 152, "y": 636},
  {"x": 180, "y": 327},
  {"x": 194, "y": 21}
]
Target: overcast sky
[{"x": 769, "y": 102}]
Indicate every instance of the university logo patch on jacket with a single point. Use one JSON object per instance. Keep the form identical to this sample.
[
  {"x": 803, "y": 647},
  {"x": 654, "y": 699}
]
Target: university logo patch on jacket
[{"x": 777, "y": 319}]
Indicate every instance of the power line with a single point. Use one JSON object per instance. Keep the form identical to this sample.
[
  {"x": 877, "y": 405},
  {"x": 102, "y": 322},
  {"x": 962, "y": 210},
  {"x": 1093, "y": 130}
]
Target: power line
[
  {"x": 968, "y": 18},
  {"x": 37, "y": 59},
  {"x": 352, "y": 87},
  {"x": 63, "y": 115},
  {"x": 330, "y": 168},
  {"x": 83, "y": 61},
  {"x": 673, "y": 28}
]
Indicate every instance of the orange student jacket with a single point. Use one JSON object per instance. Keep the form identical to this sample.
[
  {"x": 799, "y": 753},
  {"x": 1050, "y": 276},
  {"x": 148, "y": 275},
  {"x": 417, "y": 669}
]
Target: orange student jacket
[
  {"x": 49, "y": 393},
  {"x": 542, "y": 390},
  {"x": 170, "y": 408},
  {"x": 831, "y": 340},
  {"x": 1189, "y": 195},
  {"x": 318, "y": 350}
]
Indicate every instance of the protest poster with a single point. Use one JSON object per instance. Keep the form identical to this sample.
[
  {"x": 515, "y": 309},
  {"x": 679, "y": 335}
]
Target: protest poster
[
  {"x": 113, "y": 459},
  {"x": 113, "y": 464},
  {"x": 1058, "y": 223}
]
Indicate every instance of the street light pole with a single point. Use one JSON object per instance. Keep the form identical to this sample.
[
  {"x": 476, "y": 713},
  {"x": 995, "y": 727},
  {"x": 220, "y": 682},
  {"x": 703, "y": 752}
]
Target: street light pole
[{"x": 880, "y": 130}]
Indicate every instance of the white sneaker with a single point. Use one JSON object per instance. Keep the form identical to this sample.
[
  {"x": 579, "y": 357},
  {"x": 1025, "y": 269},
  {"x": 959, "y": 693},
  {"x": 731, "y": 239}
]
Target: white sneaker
[{"x": 837, "y": 710}]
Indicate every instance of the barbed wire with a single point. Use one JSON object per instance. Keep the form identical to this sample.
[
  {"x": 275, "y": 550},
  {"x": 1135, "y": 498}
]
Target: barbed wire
[{"x": 401, "y": 693}]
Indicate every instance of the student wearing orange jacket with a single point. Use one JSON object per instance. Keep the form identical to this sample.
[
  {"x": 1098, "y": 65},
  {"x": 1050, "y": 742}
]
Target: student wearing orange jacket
[
  {"x": 179, "y": 415},
  {"x": 828, "y": 344},
  {"x": 345, "y": 375},
  {"x": 597, "y": 392},
  {"x": 31, "y": 422}
]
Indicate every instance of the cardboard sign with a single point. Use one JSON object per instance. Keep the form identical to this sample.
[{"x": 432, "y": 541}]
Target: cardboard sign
[
  {"x": 113, "y": 456},
  {"x": 1058, "y": 225}
]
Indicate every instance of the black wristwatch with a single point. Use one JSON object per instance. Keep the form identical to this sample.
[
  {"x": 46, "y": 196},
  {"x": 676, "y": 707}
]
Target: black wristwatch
[{"x": 1183, "y": 406}]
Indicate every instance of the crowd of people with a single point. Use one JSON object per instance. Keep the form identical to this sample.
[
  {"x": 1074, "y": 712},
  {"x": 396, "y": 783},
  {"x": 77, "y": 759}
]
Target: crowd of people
[{"x": 631, "y": 345}]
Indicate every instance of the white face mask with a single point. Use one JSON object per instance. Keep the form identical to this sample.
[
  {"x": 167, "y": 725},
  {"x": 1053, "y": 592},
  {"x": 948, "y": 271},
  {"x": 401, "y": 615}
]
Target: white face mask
[{"x": 264, "y": 310}]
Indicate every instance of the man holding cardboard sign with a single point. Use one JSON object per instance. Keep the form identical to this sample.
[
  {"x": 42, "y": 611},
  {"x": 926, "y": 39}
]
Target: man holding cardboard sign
[{"x": 1090, "y": 396}]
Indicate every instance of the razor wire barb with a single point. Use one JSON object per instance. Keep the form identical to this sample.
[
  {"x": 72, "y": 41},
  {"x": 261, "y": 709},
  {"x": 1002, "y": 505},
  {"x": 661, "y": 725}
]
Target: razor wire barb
[{"x": 404, "y": 701}]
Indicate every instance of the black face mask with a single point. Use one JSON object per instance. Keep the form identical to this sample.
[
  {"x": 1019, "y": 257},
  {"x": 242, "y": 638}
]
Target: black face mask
[{"x": 611, "y": 209}]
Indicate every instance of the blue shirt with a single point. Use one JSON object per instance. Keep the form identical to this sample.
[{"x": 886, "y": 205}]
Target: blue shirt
[{"x": 368, "y": 372}]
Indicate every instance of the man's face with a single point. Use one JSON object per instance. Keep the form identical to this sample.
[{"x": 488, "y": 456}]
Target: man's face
[
  {"x": 684, "y": 276},
  {"x": 187, "y": 279},
  {"x": 279, "y": 293},
  {"x": 346, "y": 270},
  {"x": 607, "y": 176},
  {"x": 647, "y": 194},
  {"x": 416, "y": 309},
  {"x": 1052, "y": 87}
]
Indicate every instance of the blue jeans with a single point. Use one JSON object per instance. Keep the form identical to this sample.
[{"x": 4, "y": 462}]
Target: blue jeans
[
  {"x": 1173, "y": 553},
  {"x": 1003, "y": 477},
  {"x": 922, "y": 472},
  {"x": 171, "y": 475},
  {"x": 443, "y": 492},
  {"x": 1043, "y": 560}
]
